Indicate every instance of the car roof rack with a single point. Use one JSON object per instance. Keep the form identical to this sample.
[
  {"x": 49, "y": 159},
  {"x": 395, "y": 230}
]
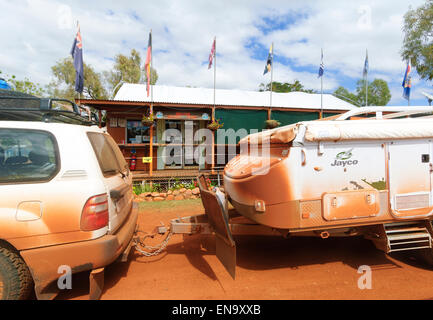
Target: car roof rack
[{"x": 29, "y": 108}]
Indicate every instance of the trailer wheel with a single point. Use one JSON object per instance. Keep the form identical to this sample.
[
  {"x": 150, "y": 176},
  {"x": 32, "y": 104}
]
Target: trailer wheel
[
  {"x": 15, "y": 278},
  {"x": 426, "y": 256}
]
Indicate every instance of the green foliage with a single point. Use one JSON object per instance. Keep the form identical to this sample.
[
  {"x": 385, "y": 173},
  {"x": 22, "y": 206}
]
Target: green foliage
[
  {"x": 126, "y": 69},
  {"x": 153, "y": 76},
  {"x": 143, "y": 188},
  {"x": 24, "y": 86},
  {"x": 64, "y": 81},
  {"x": 98, "y": 85},
  {"x": 378, "y": 93},
  {"x": 296, "y": 86},
  {"x": 344, "y": 94},
  {"x": 177, "y": 185},
  {"x": 418, "y": 39}
]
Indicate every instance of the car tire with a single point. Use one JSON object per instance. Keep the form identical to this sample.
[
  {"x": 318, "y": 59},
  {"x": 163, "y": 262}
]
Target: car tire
[{"x": 15, "y": 279}]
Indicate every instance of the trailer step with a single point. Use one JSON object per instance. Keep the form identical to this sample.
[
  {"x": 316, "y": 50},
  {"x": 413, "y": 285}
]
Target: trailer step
[{"x": 403, "y": 236}]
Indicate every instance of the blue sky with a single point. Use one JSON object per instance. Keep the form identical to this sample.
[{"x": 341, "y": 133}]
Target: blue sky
[{"x": 183, "y": 32}]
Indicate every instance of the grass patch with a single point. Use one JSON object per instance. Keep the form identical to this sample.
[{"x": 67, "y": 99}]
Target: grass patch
[{"x": 170, "y": 204}]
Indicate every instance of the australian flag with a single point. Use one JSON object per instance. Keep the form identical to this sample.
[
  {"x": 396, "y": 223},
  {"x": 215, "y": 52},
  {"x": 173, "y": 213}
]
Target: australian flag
[{"x": 77, "y": 55}]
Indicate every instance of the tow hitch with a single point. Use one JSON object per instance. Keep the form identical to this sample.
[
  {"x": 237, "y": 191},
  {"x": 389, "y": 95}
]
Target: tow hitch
[{"x": 216, "y": 221}]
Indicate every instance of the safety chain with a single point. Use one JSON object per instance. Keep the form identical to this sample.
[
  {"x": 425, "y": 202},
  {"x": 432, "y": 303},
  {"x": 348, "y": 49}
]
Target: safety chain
[{"x": 142, "y": 248}]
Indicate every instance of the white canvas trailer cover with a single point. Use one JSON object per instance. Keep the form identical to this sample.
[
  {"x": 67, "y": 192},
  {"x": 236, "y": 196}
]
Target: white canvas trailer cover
[{"x": 382, "y": 127}]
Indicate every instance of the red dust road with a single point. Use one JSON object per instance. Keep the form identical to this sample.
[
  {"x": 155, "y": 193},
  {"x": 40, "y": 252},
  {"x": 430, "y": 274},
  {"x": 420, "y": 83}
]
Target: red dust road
[{"x": 268, "y": 268}]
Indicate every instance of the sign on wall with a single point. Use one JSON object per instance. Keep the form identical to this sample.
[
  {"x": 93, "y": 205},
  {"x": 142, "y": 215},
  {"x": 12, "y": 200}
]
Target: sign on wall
[{"x": 147, "y": 159}]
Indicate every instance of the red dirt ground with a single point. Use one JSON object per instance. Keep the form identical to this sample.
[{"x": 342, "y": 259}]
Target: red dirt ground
[{"x": 268, "y": 268}]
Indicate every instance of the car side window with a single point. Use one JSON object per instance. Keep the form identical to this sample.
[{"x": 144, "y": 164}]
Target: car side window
[
  {"x": 108, "y": 158},
  {"x": 27, "y": 156}
]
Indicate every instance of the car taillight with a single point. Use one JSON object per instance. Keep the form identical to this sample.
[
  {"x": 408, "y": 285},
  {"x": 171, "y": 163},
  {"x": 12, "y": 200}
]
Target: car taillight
[{"x": 95, "y": 213}]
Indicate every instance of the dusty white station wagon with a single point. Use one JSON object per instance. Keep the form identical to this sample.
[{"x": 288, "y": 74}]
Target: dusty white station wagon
[{"x": 65, "y": 197}]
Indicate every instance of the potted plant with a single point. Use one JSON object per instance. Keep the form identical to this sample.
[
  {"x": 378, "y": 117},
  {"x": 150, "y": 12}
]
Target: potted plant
[
  {"x": 272, "y": 124},
  {"x": 215, "y": 125},
  {"x": 148, "y": 120}
]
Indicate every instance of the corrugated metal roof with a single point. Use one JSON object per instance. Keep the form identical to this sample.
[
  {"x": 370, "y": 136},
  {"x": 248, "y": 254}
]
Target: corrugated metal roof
[{"x": 223, "y": 97}]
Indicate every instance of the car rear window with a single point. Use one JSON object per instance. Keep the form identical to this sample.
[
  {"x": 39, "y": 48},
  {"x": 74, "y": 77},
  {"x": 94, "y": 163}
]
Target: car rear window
[
  {"x": 107, "y": 152},
  {"x": 27, "y": 156}
]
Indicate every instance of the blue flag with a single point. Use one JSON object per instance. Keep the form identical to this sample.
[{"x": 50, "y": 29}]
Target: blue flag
[
  {"x": 77, "y": 55},
  {"x": 322, "y": 67},
  {"x": 407, "y": 81},
  {"x": 365, "y": 72}
]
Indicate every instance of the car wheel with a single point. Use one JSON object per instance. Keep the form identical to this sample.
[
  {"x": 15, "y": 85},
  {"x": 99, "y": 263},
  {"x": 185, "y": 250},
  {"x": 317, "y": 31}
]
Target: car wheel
[{"x": 15, "y": 278}]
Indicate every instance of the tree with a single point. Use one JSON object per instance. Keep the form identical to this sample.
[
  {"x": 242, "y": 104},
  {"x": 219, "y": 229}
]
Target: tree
[
  {"x": 344, "y": 94},
  {"x": 296, "y": 86},
  {"x": 418, "y": 39},
  {"x": 153, "y": 76},
  {"x": 24, "y": 86},
  {"x": 64, "y": 83},
  {"x": 127, "y": 69},
  {"x": 378, "y": 93}
]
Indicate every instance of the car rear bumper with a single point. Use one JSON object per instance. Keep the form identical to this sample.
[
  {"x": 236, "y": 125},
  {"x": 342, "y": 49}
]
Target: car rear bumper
[{"x": 44, "y": 263}]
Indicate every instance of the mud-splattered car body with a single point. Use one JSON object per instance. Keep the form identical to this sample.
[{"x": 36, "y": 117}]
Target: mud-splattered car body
[{"x": 66, "y": 199}]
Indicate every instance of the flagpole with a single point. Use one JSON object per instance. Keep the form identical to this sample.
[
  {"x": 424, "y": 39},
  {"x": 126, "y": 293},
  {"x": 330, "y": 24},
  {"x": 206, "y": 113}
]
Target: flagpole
[
  {"x": 272, "y": 74},
  {"x": 150, "y": 73},
  {"x": 213, "y": 110},
  {"x": 366, "y": 89},
  {"x": 366, "y": 82},
  {"x": 214, "y": 82},
  {"x": 151, "y": 110},
  {"x": 321, "y": 90}
]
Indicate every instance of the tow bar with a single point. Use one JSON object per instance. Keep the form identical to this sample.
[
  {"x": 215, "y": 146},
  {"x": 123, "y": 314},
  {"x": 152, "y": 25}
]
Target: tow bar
[
  {"x": 199, "y": 224},
  {"x": 217, "y": 220}
]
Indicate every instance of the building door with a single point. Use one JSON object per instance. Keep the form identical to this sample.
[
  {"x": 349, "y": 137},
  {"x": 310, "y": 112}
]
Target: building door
[
  {"x": 190, "y": 157},
  {"x": 179, "y": 137},
  {"x": 173, "y": 152},
  {"x": 410, "y": 166}
]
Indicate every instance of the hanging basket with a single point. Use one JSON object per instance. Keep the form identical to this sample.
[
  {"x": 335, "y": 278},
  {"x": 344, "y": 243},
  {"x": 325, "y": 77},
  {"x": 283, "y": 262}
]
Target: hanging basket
[
  {"x": 272, "y": 124},
  {"x": 148, "y": 121},
  {"x": 215, "y": 125}
]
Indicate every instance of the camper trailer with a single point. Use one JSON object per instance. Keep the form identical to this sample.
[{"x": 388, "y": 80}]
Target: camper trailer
[{"x": 367, "y": 172}]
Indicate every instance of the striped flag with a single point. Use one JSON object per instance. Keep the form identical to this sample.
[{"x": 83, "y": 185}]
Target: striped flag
[
  {"x": 322, "y": 67},
  {"x": 268, "y": 66},
  {"x": 212, "y": 54},
  {"x": 407, "y": 81},
  {"x": 147, "y": 64},
  {"x": 366, "y": 66}
]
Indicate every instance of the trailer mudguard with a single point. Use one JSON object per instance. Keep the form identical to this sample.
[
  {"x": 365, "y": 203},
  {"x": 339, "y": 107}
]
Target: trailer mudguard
[{"x": 216, "y": 210}]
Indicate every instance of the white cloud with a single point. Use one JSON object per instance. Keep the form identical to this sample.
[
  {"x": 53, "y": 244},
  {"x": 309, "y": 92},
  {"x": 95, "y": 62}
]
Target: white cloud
[{"x": 40, "y": 32}]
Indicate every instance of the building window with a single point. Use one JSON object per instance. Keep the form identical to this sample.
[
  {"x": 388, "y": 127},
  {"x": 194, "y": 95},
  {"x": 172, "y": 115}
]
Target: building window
[{"x": 136, "y": 132}]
